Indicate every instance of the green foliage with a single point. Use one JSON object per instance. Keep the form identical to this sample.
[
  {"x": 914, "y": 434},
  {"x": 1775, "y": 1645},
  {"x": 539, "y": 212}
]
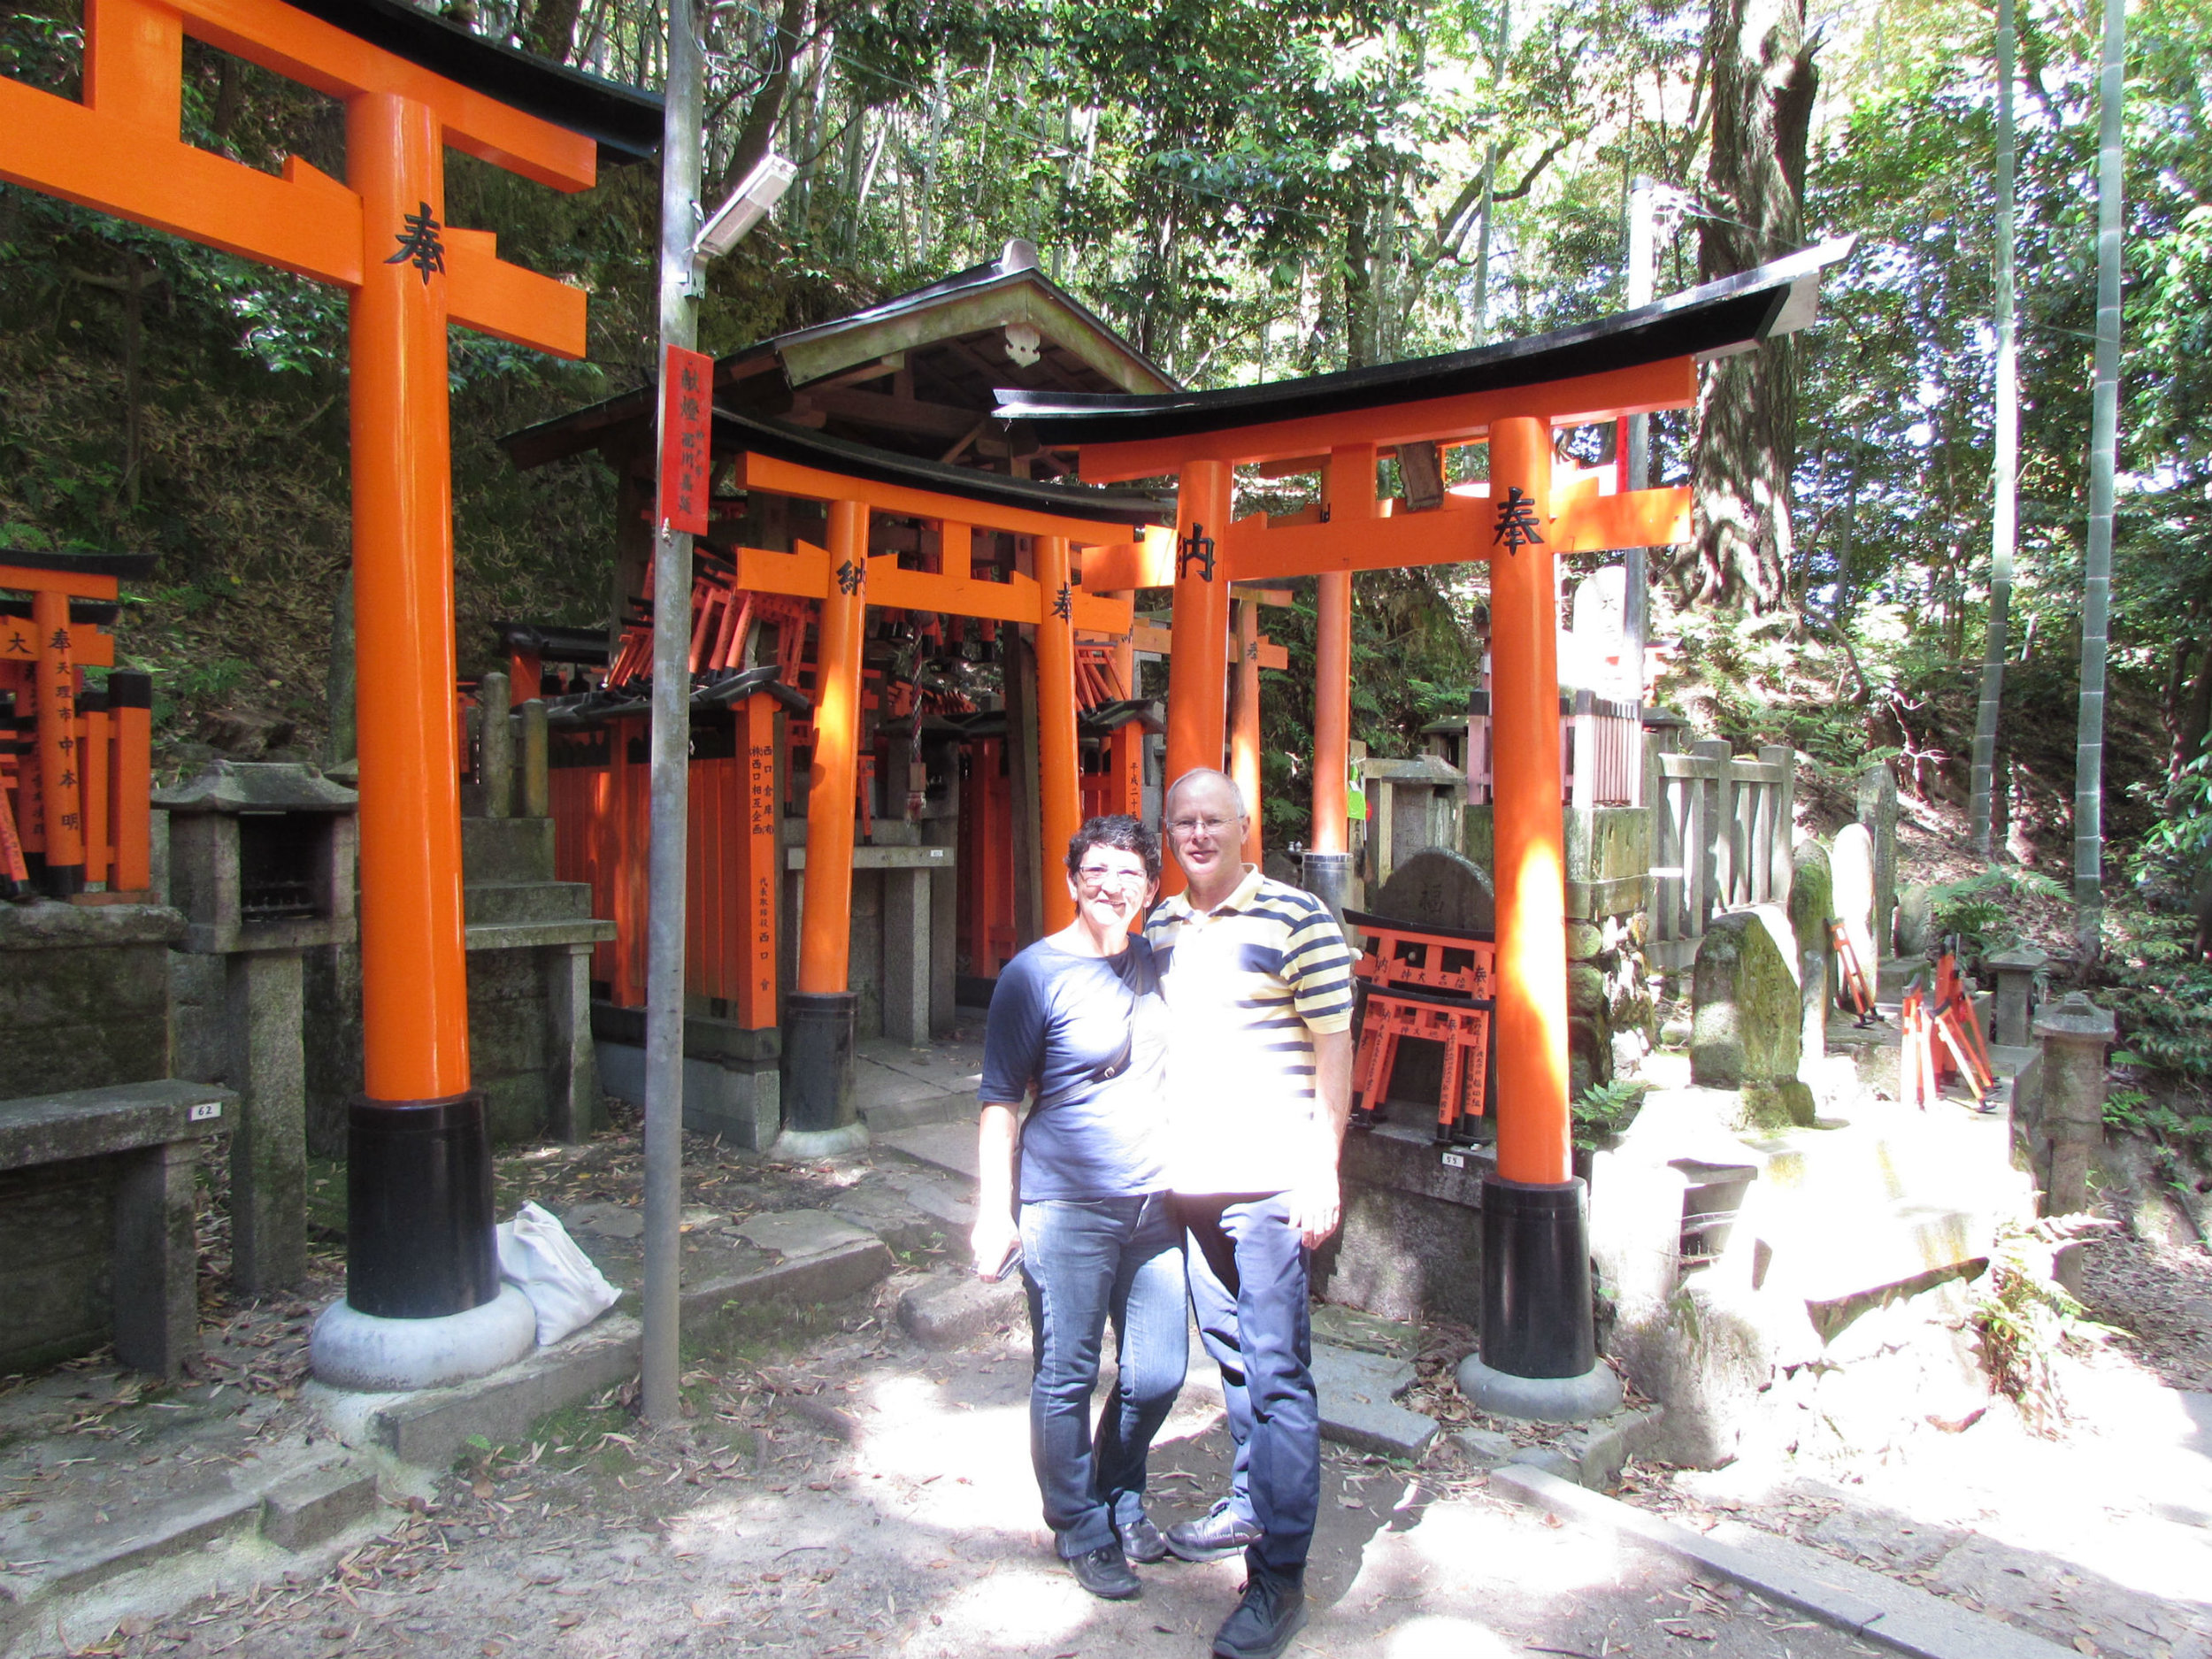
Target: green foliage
[
  {"x": 1973, "y": 908},
  {"x": 1603, "y": 1112},
  {"x": 2024, "y": 1320},
  {"x": 2160, "y": 994}
]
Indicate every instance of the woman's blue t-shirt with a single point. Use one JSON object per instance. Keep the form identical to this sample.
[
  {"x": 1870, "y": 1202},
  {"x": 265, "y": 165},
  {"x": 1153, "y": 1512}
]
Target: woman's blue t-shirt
[{"x": 1090, "y": 1033}]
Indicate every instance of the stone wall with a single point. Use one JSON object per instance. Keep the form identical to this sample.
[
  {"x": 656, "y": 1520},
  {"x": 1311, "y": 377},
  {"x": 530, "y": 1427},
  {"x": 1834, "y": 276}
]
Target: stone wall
[{"x": 84, "y": 1003}]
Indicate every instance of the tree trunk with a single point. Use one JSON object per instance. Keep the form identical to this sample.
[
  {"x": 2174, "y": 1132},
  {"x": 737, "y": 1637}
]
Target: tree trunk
[
  {"x": 1359, "y": 291},
  {"x": 1763, "y": 81},
  {"x": 759, "y": 130},
  {"x": 2188, "y": 706},
  {"x": 2104, "y": 423},
  {"x": 2003, "y": 513},
  {"x": 551, "y": 31}
]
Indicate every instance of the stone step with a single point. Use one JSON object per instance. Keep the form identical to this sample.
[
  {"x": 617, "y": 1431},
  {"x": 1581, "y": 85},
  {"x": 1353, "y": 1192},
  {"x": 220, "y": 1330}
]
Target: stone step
[
  {"x": 506, "y": 849},
  {"x": 505, "y": 902},
  {"x": 948, "y": 1146},
  {"x": 296, "y": 1503}
]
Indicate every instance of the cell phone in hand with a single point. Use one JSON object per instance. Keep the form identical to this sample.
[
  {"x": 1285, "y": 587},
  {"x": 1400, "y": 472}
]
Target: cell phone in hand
[{"x": 1007, "y": 1264}]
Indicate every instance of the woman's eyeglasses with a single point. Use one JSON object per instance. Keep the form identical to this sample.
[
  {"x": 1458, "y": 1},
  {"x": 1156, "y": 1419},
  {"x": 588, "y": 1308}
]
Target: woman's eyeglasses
[{"x": 1097, "y": 878}]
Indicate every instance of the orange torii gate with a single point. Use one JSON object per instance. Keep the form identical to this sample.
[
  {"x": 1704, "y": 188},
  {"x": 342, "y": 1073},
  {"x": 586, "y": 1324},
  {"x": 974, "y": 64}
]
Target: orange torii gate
[
  {"x": 854, "y": 482},
  {"x": 420, "y": 1197},
  {"x": 1513, "y": 396}
]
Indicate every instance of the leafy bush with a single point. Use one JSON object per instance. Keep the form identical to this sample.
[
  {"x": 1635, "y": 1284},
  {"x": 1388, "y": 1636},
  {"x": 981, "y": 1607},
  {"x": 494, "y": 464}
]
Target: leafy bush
[
  {"x": 1975, "y": 907},
  {"x": 1603, "y": 1112}
]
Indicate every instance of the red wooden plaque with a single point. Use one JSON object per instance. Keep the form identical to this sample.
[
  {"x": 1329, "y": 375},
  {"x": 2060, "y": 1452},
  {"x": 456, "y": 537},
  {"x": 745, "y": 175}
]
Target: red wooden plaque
[{"x": 687, "y": 418}]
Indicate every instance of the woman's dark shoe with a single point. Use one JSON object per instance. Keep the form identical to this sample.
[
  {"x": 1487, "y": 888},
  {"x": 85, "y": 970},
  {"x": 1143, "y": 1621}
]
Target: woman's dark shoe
[
  {"x": 1218, "y": 1534},
  {"x": 1105, "y": 1573},
  {"x": 1140, "y": 1541},
  {"x": 1273, "y": 1611}
]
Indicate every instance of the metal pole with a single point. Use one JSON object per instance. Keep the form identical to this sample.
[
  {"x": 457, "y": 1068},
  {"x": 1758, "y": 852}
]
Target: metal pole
[
  {"x": 1643, "y": 261},
  {"x": 671, "y": 738}
]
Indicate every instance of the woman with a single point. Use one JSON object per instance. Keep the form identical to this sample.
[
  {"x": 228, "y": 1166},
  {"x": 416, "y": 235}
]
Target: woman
[{"x": 1078, "y": 1016}]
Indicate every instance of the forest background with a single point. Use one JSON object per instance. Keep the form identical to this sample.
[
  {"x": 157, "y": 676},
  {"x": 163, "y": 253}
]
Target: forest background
[{"x": 1252, "y": 190}]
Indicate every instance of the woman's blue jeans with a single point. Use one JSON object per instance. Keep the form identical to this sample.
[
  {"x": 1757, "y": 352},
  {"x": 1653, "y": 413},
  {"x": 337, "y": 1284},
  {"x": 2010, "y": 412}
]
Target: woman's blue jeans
[{"x": 1084, "y": 1260}]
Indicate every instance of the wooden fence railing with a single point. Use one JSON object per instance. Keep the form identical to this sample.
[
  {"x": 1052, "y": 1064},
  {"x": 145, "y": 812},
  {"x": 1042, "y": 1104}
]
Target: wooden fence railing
[
  {"x": 1721, "y": 839},
  {"x": 1601, "y": 750}
]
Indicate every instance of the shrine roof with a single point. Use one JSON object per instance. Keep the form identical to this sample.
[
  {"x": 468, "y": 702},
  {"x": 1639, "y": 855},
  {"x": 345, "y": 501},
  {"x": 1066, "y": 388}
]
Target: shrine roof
[
  {"x": 863, "y": 461},
  {"x": 1715, "y": 319},
  {"x": 623, "y": 121},
  {"x": 940, "y": 348}
]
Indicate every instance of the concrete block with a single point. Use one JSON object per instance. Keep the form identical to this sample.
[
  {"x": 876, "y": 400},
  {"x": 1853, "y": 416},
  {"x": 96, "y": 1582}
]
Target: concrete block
[
  {"x": 1487, "y": 1448},
  {"x": 266, "y": 1065},
  {"x": 1550, "y": 1459},
  {"x": 823, "y": 1276},
  {"x": 506, "y": 850},
  {"x": 1358, "y": 1403},
  {"x": 906, "y": 955},
  {"x": 740, "y": 1102},
  {"x": 950, "y": 1309},
  {"x": 430, "y": 1426},
  {"x": 951, "y": 1207},
  {"x": 793, "y": 1233},
  {"x": 319, "y": 1504},
  {"x": 950, "y": 1147}
]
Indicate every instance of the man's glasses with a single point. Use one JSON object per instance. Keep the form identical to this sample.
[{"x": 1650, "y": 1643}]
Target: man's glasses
[
  {"x": 1097, "y": 878},
  {"x": 1189, "y": 826}
]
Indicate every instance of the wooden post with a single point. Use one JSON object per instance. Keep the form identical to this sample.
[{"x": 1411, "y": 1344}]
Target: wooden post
[
  {"x": 130, "y": 789},
  {"x": 760, "y": 868},
  {"x": 1534, "y": 1144},
  {"x": 1059, "y": 788},
  {"x": 58, "y": 753},
  {"x": 1244, "y": 730},
  {"x": 414, "y": 982},
  {"x": 1197, "y": 689},
  {"x": 825, "y": 927}
]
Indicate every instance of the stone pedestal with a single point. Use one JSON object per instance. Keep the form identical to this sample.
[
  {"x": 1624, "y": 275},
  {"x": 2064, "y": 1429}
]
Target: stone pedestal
[
  {"x": 261, "y": 861},
  {"x": 2074, "y": 1036},
  {"x": 1812, "y": 904},
  {"x": 2015, "y": 971},
  {"x": 266, "y": 1065},
  {"x": 1878, "y": 811}
]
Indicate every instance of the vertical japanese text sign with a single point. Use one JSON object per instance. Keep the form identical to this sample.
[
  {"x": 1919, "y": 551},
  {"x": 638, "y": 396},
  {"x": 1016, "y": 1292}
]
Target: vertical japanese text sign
[{"x": 687, "y": 414}]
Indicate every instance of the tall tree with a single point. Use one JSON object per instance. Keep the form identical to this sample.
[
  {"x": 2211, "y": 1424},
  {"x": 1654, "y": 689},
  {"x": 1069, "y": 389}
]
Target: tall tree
[
  {"x": 2104, "y": 427},
  {"x": 1763, "y": 81},
  {"x": 2003, "y": 513}
]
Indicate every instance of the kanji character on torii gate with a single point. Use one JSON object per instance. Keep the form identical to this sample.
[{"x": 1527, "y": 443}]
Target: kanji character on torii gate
[
  {"x": 423, "y": 1299},
  {"x": 1537, "y": 1316}
]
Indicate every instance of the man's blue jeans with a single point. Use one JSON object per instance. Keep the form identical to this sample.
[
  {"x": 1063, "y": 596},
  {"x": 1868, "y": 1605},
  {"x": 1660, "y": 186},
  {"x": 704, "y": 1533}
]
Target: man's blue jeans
[
  {"x": 1084, "y": 1261},
  {"x": 1248, "y": 1286}
]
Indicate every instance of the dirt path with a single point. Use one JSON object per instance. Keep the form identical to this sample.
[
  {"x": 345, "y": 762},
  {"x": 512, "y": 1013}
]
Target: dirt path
[{"x": 858, "y": 1494}]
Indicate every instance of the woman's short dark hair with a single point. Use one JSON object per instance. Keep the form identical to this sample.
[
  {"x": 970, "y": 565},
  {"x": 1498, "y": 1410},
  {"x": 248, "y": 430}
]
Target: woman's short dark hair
[{"x": 1120, "y": 832}]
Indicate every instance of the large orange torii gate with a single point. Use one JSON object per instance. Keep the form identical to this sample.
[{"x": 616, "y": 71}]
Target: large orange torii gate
[
  {"x": 1536, "y": 1318},
  {"x": 419, "y": 1246}
]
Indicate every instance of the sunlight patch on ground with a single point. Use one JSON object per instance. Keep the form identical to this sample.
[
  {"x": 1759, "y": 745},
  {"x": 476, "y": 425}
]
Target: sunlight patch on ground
[
  {"x": 1018, "y": 1608},
  {"x": 974, "y": 1463},
  {"x": 1440, "y": 1637},
  {"x": 1541, "y": 1559}
]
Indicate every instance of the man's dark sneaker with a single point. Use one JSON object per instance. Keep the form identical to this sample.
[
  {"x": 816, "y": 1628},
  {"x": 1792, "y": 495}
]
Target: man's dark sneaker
[
  {"x": 1140, "y": 1541},
  {"x": 1105, "y": 1573},
  {"x": 1218, "y": 1534},
  {"x": 1273, "y": 1611}
]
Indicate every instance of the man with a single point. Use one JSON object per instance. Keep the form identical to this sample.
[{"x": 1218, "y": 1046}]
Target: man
[{"x": 1259, "y": 989}]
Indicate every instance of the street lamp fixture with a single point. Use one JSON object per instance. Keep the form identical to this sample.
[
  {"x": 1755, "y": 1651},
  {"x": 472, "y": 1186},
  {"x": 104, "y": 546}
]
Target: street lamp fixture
[{"x": 749, "y": 204}]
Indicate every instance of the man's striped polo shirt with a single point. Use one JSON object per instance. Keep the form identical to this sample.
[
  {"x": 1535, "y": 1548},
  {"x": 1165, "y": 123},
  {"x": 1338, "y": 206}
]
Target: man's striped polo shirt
[{"x": 1249, "y": 984}]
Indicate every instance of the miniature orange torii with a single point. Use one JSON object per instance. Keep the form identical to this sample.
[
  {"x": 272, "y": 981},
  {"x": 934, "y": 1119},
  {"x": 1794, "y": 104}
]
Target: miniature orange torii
[
  {"x": 846, "y": 581},
  {"x": 420, "y": 1243},
  {"x": 1536, "y": 1314}
]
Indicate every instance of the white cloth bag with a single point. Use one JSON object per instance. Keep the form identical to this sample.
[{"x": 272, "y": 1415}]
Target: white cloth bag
[{"x": 537, "y": 1257}]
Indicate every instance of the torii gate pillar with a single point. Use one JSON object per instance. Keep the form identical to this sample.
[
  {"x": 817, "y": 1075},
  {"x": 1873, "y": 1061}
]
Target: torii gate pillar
[{"x": 1537, "y": 1339}]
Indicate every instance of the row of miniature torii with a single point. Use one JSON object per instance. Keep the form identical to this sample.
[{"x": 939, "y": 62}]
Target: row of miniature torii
[{"x": 1531, "y": 508}]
